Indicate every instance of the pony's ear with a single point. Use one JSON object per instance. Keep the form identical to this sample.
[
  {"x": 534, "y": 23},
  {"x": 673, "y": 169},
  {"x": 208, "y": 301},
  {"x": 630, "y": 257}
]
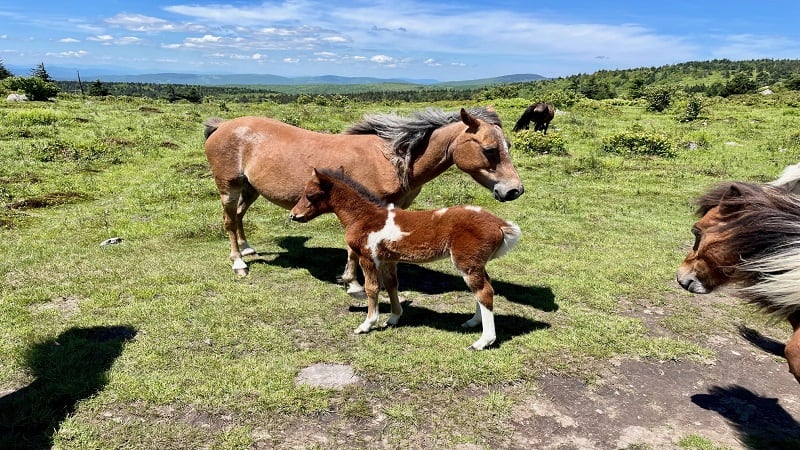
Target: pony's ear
[
  {"x": 314, "y": 174},
  {"x": 729, "y": 202},
  {"x": 468, "y": 119}
]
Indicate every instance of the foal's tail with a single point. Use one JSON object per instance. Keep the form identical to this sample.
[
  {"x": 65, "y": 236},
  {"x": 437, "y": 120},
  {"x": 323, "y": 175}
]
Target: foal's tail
[
  {"x": 511, "y": 235},
  {"x": 211, "y": 125}
]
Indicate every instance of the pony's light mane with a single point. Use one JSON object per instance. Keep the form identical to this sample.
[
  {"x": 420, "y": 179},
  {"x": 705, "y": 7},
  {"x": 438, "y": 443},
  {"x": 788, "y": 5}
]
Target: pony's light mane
[
  {"x": 763, "y": 228},
  {"x": 408, "y": 134}
]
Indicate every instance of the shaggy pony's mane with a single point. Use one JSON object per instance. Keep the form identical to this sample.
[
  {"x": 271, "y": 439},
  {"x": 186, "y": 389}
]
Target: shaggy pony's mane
[
  {"x": 762, "y": 224},
  {"x": 408, "y": 134}
]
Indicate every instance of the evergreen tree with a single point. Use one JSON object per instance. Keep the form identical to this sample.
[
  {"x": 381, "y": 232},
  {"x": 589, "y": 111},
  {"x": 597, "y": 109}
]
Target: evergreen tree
[
  {"x": 97, "y": 89},
  {"x": 40, "y": 72},
  {"x": 4, "y": 73}
]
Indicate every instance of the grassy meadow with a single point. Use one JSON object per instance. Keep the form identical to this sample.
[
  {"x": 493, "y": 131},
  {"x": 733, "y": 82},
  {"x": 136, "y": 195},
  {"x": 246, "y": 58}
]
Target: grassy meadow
[{"x": 155, "y": 343}]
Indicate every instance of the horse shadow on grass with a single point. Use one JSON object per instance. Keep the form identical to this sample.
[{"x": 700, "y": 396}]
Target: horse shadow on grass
[
  {"x": 760, "y": 422},
  {"x": 68, "y": 369},
  {"x": 507, "y": 327},
  {"x": 326, "y": 264}
]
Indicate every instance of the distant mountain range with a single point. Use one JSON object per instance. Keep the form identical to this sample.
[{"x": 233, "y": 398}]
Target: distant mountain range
[{"x": 113, "y": 75}]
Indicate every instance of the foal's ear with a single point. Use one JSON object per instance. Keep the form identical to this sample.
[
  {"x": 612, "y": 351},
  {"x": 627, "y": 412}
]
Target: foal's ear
[{"x": 468, "y": 119}]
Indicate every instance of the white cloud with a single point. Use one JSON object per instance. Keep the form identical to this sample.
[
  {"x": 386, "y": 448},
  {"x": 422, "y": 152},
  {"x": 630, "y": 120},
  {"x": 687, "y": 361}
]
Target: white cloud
[
  {"x": 101, "y": 38},
  {"x": 68, "y": 40},
  {"x": 291, "y": 60},
  {"x": 78, "y": 54},
  {"x": 257, "y": 56},
  {"x": 382, "y": 59}
]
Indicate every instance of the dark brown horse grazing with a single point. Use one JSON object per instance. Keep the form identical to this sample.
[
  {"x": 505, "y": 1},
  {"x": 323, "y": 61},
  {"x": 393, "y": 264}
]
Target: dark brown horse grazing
[
  {"x": 383, "y": 236},
  {"x": 750, "y": 234},
  {"x": 390, "y": 155},
  {"x": 540, "y": 114}
]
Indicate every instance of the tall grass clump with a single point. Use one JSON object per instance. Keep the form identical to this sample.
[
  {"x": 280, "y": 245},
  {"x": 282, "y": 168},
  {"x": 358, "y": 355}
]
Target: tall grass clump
[
  {"x": 639, "y": 143},
  {"x": 534, "y": 142}
]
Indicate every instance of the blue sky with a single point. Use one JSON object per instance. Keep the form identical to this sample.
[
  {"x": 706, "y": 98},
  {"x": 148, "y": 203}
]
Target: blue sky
[{"x": 434, "y": 39}]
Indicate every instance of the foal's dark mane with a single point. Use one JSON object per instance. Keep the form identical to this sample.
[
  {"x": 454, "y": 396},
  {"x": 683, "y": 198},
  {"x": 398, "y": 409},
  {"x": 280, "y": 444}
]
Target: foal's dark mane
[
  {"x": 356, "y": 186},
  {"x": 408, "y": 134}
]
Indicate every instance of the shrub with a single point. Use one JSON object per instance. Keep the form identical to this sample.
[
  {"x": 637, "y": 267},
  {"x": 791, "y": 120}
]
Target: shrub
[
  {"x": 534, "y": 142},
  {"x": 658, "y": 97},
  {"x": 694, "y": 106},
  {"x": 35, "y": 88},
  {"x": 639, "y": 143}
]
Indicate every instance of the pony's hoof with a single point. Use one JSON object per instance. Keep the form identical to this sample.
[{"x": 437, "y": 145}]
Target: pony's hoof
[
  {"x": 241, "y": 272},
  {"x": 391, "y": 321},
  {"x": 247, "y": 251}
]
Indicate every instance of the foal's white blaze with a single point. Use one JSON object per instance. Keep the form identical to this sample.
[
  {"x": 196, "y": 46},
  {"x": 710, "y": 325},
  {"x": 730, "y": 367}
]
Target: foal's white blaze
[{"x": 390, "y": 232}]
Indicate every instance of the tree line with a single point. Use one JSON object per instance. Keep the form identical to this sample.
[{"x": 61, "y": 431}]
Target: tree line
[{"x": 719, "y": 77}]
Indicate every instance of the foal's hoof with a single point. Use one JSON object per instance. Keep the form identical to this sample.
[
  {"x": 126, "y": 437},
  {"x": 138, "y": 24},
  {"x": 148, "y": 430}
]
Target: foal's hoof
[
  {"x": 354, "y": 289},
  {"x": 479, "y": 345}
]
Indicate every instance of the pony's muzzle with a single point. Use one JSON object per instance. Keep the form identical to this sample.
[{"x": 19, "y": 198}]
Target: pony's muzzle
[
  {"x": 691, "y": 283},
  {"x": 295, "y": 218},
  {"x": 508, "y": 195}
]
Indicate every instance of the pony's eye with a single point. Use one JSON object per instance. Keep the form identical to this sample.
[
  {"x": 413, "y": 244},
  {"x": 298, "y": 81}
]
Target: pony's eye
[
  {"x": 697, "y": 236},
  {"x": 491, "y": 152}
]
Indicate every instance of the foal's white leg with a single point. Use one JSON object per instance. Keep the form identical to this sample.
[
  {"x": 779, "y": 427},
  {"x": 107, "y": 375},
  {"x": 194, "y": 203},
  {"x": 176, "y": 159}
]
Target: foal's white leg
[{"x": 488, "y": 336}]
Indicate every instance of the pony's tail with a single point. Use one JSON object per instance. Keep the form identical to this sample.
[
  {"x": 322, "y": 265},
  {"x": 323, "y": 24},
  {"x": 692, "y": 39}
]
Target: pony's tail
[
  {"x": 511, "y": 235},
  {"x": 776, "y": 291},
  {"x": 211, "y": 125},
  {"x": 789, "y": 179},
  {"x": 524, "y": 120}
]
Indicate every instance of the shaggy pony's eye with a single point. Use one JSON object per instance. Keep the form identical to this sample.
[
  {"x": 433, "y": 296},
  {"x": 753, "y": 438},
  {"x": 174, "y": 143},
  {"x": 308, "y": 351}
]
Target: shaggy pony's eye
[{"x": 697, "y": 237}]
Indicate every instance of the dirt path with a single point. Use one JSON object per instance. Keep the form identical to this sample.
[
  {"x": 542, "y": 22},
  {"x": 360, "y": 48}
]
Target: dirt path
[{"x": 743, "y": 399}]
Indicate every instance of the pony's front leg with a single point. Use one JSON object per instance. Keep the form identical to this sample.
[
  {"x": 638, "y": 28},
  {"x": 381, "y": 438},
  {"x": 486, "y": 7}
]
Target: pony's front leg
[
  {"x": 372, "y": 288},
  {"x": 389, "y": 272},
  {"x": 349, "y": 276}
]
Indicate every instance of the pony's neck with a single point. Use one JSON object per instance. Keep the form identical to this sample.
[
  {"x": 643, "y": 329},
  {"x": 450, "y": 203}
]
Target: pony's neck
[
  {"x": 437, "y": 157},
  {"x": 349, "y": 205}
]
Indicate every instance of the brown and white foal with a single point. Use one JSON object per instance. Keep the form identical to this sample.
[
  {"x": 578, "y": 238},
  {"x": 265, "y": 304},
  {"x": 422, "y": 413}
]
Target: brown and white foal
[{"x": 383, "y": 236}]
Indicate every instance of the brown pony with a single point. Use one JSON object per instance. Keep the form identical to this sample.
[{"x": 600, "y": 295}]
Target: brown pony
[
  {"x": 392, "y": 156},
  {"x": 750, "y": 234},
  {"x": 540, "y": 114},
  {"x": 383, "y": 236}
]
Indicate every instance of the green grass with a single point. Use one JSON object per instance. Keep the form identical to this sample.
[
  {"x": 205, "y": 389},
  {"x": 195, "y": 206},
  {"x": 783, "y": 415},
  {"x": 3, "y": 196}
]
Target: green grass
[{"x": 154, "y": 343}]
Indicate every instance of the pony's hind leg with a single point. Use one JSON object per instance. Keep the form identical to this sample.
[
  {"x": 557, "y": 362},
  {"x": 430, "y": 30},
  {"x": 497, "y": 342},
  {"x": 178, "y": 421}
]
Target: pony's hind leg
[
  {"x": 247, "y": 197},
  {"x": 479, "y": 284},
  {"x": 389, "y": 273},
  {"x": 349, "y": 277},
  {"x": 230, "y": 201}
]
